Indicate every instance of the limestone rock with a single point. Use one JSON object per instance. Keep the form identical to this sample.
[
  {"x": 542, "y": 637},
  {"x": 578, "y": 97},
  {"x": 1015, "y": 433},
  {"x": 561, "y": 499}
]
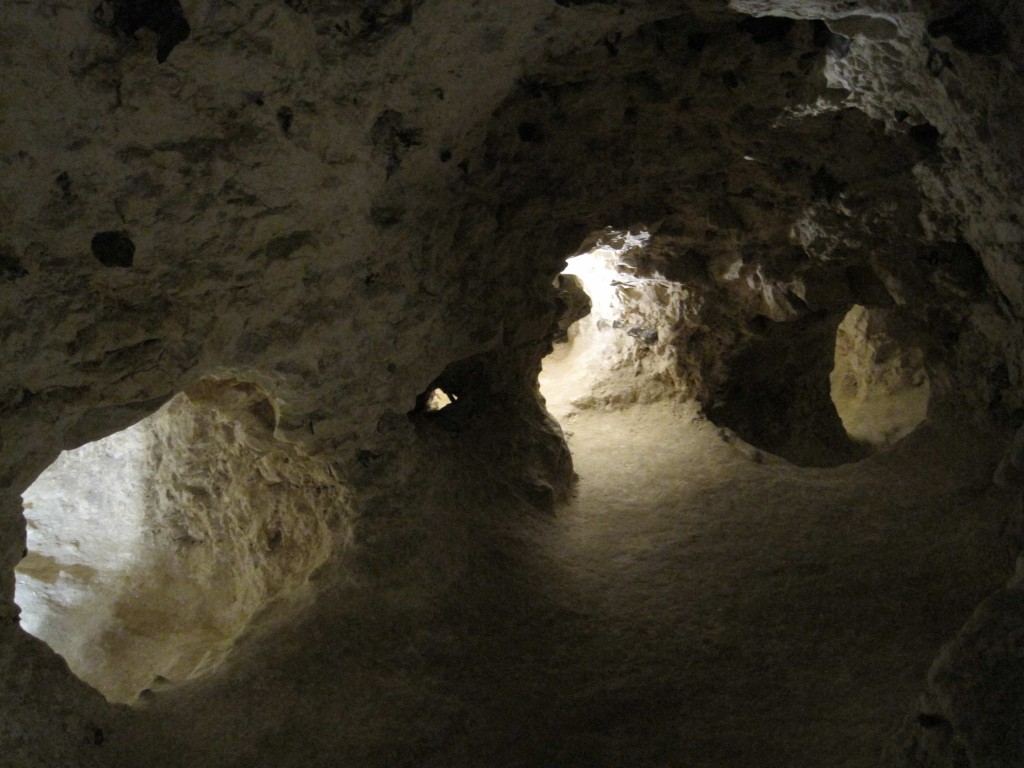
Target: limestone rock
[{"x": 331, "y": 209}]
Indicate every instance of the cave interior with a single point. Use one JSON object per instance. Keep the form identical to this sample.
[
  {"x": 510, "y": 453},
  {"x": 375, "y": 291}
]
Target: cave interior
[{"x": 538, "y": 383}]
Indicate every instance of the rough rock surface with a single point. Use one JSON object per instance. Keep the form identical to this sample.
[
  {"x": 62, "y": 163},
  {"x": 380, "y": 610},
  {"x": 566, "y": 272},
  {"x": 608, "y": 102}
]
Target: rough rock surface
[
  {"x": 879, "y": 387},
  {"x": 344, "y": 204},
  {"x": 151, "y": 550}
]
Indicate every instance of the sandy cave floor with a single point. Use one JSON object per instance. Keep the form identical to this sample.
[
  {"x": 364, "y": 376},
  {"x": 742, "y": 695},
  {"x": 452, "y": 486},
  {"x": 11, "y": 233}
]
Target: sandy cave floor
[
  {"x": 789, "y": 615},
  {"x": 698, "y": 604}
]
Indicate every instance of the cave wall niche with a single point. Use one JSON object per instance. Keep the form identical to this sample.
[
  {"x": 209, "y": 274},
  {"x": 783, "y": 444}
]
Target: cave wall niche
[
  {"x": 777, "y": 396},
  {"x": 150, "y": 550},
  {"x": 880, "y": 387}
]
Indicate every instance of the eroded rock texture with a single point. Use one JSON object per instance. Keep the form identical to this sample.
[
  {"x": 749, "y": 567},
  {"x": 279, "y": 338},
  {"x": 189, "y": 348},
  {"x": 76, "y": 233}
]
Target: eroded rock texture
[
  {"x": 345, "y": 205},
  {"x": 151, "y": 551}
]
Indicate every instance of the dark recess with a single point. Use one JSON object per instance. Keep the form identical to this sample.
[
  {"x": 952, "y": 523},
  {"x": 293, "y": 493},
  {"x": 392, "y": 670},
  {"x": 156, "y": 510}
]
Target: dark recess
[
  {"x": 467, "y": 384},
  {"x": 926, "y": 136},
  {"x": 825, "y": 38},
  {"x": 63, "y": 182},
  {"x": 10, "y": 266},
  {"x": 285, "y": 118},
  {"x": 767, "y": 29},
  {"x": 166, "y": 18},
  {"x": 974, "y": 29},
  {"x": 697, "y": 41},
  {"x": 825, "y": 187},
  {"x": 530, "y": 133},
  {"x": 113, "y": 249}
]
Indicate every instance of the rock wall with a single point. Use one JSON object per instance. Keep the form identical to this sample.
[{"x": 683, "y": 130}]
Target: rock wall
[{"x": 338, "y": 201}]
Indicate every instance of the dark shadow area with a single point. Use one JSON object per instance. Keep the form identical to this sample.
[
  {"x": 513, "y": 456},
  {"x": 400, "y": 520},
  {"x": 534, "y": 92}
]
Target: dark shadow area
[{"x": 778, "y": 398}]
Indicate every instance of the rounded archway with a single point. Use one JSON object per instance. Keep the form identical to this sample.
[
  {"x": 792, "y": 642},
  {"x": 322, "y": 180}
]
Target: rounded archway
[
  {"x": 150, "y": 550},
  {"x": 615, "y": 340},
  {"x": 879, "y": 386}
]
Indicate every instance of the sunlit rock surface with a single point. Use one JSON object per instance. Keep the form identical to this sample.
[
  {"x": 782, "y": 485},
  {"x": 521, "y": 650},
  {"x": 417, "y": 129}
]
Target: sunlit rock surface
[
  {"x": 150, "y": 550},
  {"x": 880, "y": 388}
]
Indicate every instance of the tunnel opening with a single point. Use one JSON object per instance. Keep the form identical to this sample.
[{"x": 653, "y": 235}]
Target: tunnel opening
[
  {"x": 879, "y": 385},
  {"x": 817, "y": 387},
  {"x": 151, "y": 550},
  {"x": 613, "y": 343},
  {"x": 776, "y": 395},
  {"x": 438, "y": 400},
  {"x": 455, "y": 396}
]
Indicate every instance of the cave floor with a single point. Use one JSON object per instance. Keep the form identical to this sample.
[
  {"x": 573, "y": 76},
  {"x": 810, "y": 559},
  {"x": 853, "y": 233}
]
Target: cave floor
[
  {"x": 760, "y": 613},
  {"x": 697, "y": 604}
]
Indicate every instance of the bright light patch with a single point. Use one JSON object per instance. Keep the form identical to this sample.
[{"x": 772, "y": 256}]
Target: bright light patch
[
  {"x": 601, "y": 278},
  {"x": 880, "y": 388},
  {"x": 86, "y": 520},
  {"x": 439, "y": 399},
  {"x": 150, "y": 550},
  {"x": 620, "y": 352}
]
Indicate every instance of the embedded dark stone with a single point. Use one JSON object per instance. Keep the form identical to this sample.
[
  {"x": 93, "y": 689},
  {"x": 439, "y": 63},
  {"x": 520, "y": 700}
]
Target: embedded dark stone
[
  {"x": 938, "y": 61},
  {"x": 385, "y": 216},
  {"x": 365, "y": 457},
  {"x": 645, "y": 335},
  {"x": 113, "y": 249},
  {"x": 999, "y": 377},
  {"x": 391, "y": 137},
  {"x": 380, "y": 19},
  {"x": 611, "y": 44},
  {"x": 281, "y": 248}
]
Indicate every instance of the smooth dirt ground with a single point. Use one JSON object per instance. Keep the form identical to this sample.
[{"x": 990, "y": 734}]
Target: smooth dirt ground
[
  {"x": 699, "y": 604},
  {"x": 770, "y": 615}
]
